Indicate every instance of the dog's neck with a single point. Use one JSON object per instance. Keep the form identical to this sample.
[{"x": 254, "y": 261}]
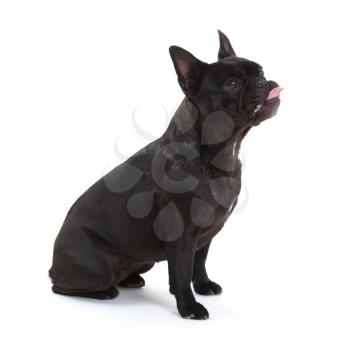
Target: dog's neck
[{"x": 186, "y": 126}]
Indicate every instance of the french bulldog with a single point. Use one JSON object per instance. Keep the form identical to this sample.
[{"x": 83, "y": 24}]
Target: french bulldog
[{"x": 168, "y": 201}]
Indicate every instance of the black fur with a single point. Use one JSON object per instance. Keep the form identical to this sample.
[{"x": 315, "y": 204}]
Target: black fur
[{"x": 171, "y": 198}]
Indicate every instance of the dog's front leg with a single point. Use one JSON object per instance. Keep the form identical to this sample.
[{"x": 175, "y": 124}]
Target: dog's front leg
[
  {"x": 201, "y": 282},
  {"x": 180, "y": 255}
]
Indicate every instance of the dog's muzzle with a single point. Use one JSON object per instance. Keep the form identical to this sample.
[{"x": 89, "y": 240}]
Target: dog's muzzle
[{"x": 267, "y": 90}]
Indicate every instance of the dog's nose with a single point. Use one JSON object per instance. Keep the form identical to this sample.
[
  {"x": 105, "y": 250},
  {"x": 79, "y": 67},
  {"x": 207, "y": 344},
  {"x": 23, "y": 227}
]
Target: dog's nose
[{"x": 272, "y": 84}]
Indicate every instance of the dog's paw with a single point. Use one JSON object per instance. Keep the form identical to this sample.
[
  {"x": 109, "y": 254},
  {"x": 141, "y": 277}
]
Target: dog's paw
[
  {"x": 207, "y": 288},
  {"x": 108, "y": 294},
  {"x": 194, "y": 311},
  {"x": 133, "y": 281}
]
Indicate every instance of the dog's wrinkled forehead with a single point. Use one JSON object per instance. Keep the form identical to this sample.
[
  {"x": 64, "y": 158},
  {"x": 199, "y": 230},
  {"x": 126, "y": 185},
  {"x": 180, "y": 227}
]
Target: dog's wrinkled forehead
[
  {"x": 239, "y": 67},
  {"x": 232, "y": 67}
]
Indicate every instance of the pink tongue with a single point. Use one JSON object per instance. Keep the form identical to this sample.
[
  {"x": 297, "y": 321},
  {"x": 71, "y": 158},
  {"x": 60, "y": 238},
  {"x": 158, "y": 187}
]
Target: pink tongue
[{"x": 275, "y": 92}]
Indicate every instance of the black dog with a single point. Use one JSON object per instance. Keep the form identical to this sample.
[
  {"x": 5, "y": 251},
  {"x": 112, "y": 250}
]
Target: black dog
[{"x": 171, "y": 198}]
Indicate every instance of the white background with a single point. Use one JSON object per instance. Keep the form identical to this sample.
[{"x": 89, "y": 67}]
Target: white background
[{"x": 72, "y": 73}]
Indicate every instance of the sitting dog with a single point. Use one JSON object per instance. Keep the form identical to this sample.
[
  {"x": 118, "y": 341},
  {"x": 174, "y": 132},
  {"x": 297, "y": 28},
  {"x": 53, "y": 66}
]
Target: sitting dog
[{"x": 170, "y": 199}]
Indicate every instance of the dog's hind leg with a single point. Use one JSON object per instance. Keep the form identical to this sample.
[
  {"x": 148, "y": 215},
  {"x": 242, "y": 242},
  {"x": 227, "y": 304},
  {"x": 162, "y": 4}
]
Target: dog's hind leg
[
  {"x": 85, "y": 272},
  {"x": 107, "y": 294}
]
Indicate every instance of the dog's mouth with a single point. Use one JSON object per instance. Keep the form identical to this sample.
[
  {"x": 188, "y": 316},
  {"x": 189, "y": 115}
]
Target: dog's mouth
[
  {"x": 268, "y": 108},
  {"x": 274, "y": 93}
]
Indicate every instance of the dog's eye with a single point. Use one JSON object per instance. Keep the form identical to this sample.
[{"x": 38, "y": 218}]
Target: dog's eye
[{"x": 232, "y": 84}]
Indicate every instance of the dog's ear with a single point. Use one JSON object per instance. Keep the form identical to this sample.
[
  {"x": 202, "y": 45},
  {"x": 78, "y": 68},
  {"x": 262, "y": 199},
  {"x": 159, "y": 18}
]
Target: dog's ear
[
  {"x": 188, "y": 68},
  {"x": 225, "y": 49}
]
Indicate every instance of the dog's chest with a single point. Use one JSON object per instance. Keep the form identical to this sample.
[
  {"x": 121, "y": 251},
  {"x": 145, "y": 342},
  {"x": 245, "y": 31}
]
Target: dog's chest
[{"x": 215, "y": 198}]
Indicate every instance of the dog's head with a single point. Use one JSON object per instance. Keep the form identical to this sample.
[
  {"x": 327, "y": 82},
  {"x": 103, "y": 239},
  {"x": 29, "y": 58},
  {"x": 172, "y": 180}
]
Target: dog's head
[{"x": 232, "y": 84}]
